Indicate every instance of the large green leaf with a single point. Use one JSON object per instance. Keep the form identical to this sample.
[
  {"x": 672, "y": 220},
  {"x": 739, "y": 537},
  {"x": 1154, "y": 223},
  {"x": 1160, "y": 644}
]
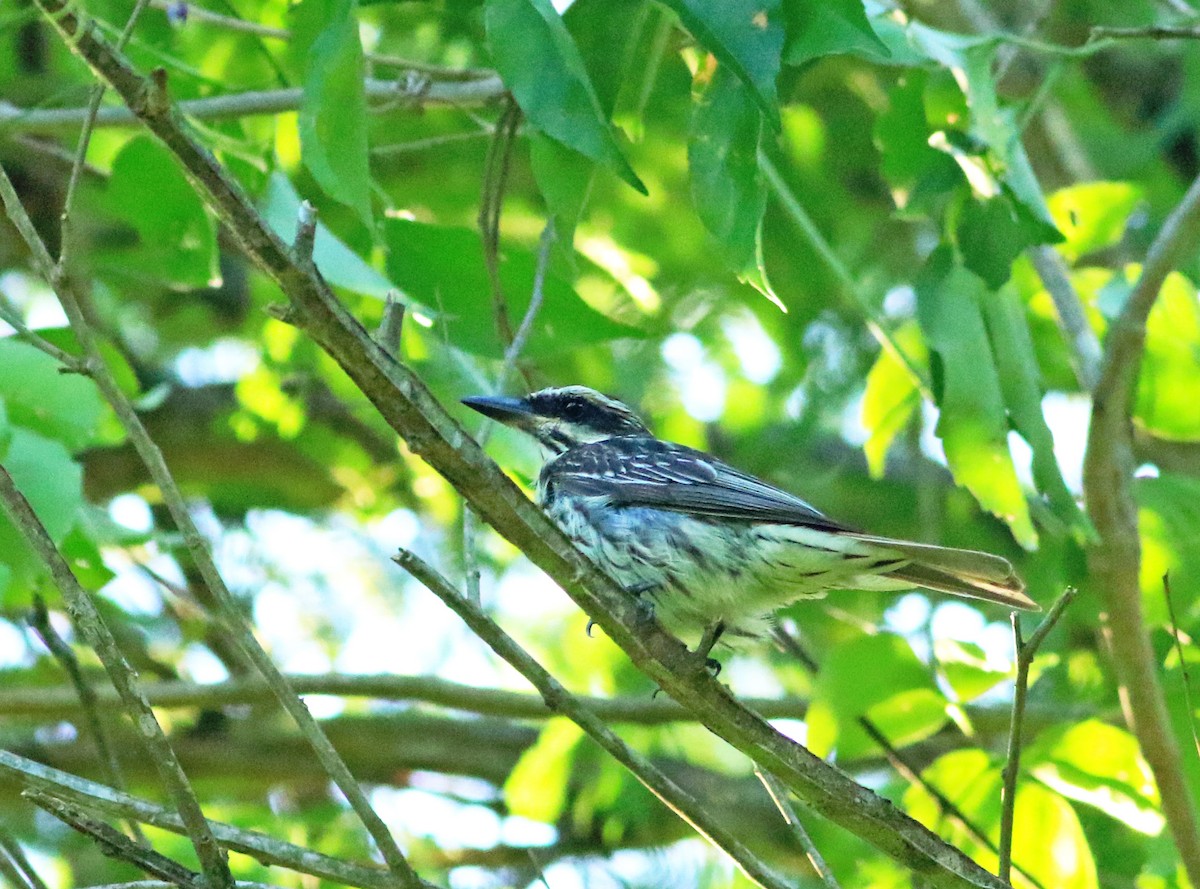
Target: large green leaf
[
  {"x": 64, "y": 407},
  {"x": 540, "y": 64},
  {"x": 443, "y": 267},
  {"x": 828, "y": 27},
  {"x": 537, "y": 786},
  {"x": 1020, "y": 382},
  {"x": 177, "y": 241},
  {"x": 728, "y": 187},
  {"x": 973, "y": 426},
  {"x": 333, "y": 114},
  {"x": 901, "y": 698},
  {"x": 746, "y": 35},
  {"x": 1048, "y": 840},
  {"x": 1100, "y": 765},
  {"x": 1168, "y": 516}
]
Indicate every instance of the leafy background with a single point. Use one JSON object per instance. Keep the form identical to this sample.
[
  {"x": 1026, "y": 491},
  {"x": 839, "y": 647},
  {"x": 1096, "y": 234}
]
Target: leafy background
[{"x": 802, "y": 235}]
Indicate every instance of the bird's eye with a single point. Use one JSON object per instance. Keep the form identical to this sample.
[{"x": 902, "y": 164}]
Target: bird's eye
[{"x": 574, "y": 409}]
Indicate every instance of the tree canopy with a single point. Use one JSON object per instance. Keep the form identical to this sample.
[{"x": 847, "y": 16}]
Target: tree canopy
[{"x": 930, "y": 266}]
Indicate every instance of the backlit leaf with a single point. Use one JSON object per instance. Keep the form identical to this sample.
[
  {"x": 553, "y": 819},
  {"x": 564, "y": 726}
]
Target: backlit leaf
[
  {"x": 973, "y": 426},
  {"x": 1092, "y": 215},
  {"x": 891, "y": 396},
  {"x": 537, "y": 786}
]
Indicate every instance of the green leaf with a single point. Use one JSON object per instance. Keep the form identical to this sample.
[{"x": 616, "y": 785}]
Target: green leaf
[
  {"x": 1048, "y": 840},
  {"x": 1092, "y": 215},
  {"x": 1166, "y": 396},
  {"x": 1100, "y": 765},
  {"x": 728, "y": 187},
  {"x": 972, "y": 425},
  {"x": 64, "y": 407},
  {"x": 540, "y": 64},
  {"x": 537, "y": 786},
  {"x": 991, "y": 236},
  {"x": 970, "y": 780},
  {"x": 333, "y": 113},
  {"x": 605, "y": 31},
  {"x": 828, "y": 27},
  {"x": 443, "y": 267},
  {"x": 1020, "y": 382},
  {"x": 840, "y": 696},
  {"x": 52, "y": 482},
  {"x": 177, "y": 241},
  {"x": 1168, "y": 516},
  {"x": 891, "y": 396},
  {"x": 338, "y": 264},
  {"x": 564, "y": 178},
  {"x": 746, "y": 35}
]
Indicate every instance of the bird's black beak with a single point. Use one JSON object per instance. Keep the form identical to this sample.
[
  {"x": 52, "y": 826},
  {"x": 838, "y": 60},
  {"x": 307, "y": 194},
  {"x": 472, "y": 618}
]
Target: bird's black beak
[{"x": 510, "y": 411}]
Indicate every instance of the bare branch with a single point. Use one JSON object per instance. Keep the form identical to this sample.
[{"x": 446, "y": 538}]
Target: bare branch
[
  {"x": 39, "y": 620},
  {"x": 392, "y": 93},
  {"x": 562, "y": 701},
  {"x": 1114, "y": 560},
  {"x": 779, "y": 796},
  {"x": 15, "y": 865},
  {"x": 1083, "y": 346},
  {"x": 1025, "y": 652},
  {"x": 124, "y": 679},
  {"x": 93, "y": 797}
]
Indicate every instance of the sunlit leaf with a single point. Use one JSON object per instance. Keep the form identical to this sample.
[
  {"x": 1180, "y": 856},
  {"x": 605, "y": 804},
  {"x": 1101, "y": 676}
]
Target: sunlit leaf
[
  {"x": 1092, "y": 215},
  {"x": 891, "y": 396},
  {"x": 746, "y": 35},
  {"x": 177, "y": 241},
  {"x": 537, "y": 786},
  {"x": 828, "y": 27},
  {"x": 968, "y": 669},
  {"x": 728, "y": 188},
  {"x": 1168, "y": 516},
  {"x": 1048, "y": 840},
  {"x": 1100, "y": 765},
  {"x": 1166, "y": 397},
  {"x": 540, "y": 64},
  {"x": 973, "y": 426},
  {"x": 333, "y": 114}
]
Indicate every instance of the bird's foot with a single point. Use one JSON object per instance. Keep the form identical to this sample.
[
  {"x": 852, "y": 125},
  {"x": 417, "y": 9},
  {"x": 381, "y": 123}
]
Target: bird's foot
[
  {"x": 712, "y": 634},
  {"x": 644, "y": 603}
]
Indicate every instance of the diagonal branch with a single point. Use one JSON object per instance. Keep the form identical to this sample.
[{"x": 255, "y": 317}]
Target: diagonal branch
[
  {"x": 1114, "y": 560},
  {"x": 405, "y": 403}
]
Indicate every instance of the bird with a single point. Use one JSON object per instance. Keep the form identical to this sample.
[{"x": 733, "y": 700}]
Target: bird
[{"x": 713, "y": 551}]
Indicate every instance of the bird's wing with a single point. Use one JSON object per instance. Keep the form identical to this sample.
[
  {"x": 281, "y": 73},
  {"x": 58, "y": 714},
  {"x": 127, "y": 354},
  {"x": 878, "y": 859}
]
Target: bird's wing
[{"x": 637, "y": 471}]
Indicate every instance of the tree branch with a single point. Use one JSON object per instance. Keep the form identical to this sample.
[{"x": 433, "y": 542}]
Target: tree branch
[
  {"x": 429, "y": 431},
  {"x": 1115, "y": 558},
  {"x": 124, "y": 679},
  {"x": 460, "y": 94},
  {"x": 93, "y": 797}
]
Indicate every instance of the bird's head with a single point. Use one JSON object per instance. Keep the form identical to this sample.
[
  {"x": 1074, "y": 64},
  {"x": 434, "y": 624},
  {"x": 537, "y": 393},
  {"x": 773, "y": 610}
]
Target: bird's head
[{"x": 562, "y": 418}]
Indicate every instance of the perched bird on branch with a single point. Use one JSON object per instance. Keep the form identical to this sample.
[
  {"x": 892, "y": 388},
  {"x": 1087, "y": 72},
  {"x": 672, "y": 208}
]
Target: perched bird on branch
[{"x": 715, "y": 551}]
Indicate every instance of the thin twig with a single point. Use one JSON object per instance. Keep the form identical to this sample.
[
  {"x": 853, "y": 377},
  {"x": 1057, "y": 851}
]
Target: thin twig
[
  {"x": 92, "y": 627},
  {"x": 779, "y": 796},
  {"x": 1150, "y": 32},
  {"x": 115, "y": 844},
  {"x": 391, "y": 326},
  {"x": 103, "y": 800},
  {"x": 46, "y": 703},
  {"x": 10, "y": 316},
  {"x": 396, "y": 93},
  {"x": 39, "y": 620},
  {"x": 85, "y": 138},
  {"x": 495, "y": 183},
  {"x": 1114, "y": 560},
  {"x": 1025, "y": 652},
  {"x": 231, "y": 616},
  {"x": 562, "y": 701},
  {"x": 1183, "y": 668},
  {"x": 848, "y": 286},
  {"x": 1083, "y": 346},
  {"x": 306, "y": 233}
]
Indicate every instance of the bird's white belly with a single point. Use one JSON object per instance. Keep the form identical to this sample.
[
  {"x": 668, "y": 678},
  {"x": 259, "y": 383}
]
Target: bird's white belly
[{"x": 698, "y": 571}]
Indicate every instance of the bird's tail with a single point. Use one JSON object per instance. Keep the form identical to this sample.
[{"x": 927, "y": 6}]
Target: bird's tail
[{"x": 960, "y": 572}]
